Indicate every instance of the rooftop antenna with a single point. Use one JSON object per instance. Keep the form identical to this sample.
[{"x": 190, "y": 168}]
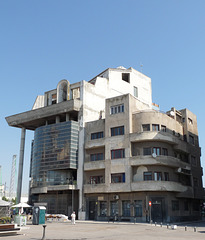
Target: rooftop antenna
[{"x": 141, "y": 67}]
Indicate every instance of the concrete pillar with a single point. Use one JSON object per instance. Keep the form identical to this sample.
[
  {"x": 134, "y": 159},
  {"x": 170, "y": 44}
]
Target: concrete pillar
[
  {"x": 57, "y": 119},
  {"x": 67, "y": 117},
  {"x": 21, "y": 159}
]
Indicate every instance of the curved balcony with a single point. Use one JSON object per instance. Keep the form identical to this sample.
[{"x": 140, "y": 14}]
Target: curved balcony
[
  {"x": 94, "y": 165},
  {"x": 96, "y": 143},
  {"x": 158, "y": 160},
  {"x": 161, "y": 186}
]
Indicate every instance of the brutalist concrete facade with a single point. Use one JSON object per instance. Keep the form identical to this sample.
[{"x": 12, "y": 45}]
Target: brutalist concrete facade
[{"x": 102, "y": 150}]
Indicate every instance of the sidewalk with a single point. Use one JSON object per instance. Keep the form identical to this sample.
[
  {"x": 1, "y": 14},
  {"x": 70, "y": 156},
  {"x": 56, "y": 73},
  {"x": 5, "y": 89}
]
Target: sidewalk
[{"x": 90, "y": 230}]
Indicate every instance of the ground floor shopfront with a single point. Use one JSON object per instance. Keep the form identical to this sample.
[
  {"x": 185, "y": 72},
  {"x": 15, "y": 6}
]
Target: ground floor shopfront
[{"x": 141, "y": 207}]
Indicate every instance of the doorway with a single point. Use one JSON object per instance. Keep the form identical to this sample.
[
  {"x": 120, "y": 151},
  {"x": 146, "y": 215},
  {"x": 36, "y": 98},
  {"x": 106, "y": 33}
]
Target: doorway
[
  {"x": 92, "y": 210},
  {"x": 157, "y": 213}
]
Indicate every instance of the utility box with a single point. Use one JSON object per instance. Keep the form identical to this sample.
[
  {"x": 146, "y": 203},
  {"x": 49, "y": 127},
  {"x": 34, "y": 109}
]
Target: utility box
[{"x": 39, "y": 214}]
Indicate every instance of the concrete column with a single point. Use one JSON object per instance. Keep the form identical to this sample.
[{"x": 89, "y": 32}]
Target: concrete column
[
  {"x": 57, "y": 119},
  {"x": 21, "y": 159},
  {"x": 67, "y": 117}
]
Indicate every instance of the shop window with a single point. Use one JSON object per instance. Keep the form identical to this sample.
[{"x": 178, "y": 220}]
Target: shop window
[
  {"x": 155, "y": 127},
  {"x": 117, "y": 109},
  {"x": 145, "y": 127},
  {"x": 118, "y": 178},
  {"x": 138, "y": 208},
  {"x": 117, "y": 153},
  {"x": 175, "y": 205},
  {"x": 147, "y": 176},
  {"x": 117, "y": 131},
  {"x": 126, "y": 208},
  {"x": 103, "y": 209},
  {"x": 114, "y": 209},
  {"x": 96, "y": 135}
]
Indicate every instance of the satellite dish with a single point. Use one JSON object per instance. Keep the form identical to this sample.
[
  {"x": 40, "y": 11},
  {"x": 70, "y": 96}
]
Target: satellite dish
[
  {"x": 172, "y": 113},
  {"x": 154, "y": 155}
]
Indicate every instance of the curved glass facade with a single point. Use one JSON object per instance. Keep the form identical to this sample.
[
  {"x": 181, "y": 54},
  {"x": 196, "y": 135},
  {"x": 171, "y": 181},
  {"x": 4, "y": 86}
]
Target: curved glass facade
[{"x": 55, "y": 154}]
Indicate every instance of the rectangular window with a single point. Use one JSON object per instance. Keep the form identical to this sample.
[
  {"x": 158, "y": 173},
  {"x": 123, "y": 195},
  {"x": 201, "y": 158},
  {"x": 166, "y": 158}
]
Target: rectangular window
[
  {"x": 96, "y": 135},
  {"x": 147, "y": 151},
  {"x": 103, "y": 209},
  {"x": 54, "y": 98},
  {"x": 193, "y": 161},
  {"x": 166, "y": 176},
  {"x": 135, "y": 91},
  {"x": 191, "y": 139},
  {"x": 117, "y": 131},
  {"x": 175, "y": 205},
  {"x": 157, "y": 176},
  {"x": 126, "y": 77},
  {"x": 156, "y": 150},
  {"x": 145, "y": 127},
  {"x": 117, "y": 109},
  {"x": 163, "y": 128},
  {"x": 138, "y": 208},
  {"x": 114, "y": 209},
  {"x": 96, "y": 179},
  {"x": 164, "y": 151},
  {"x": 117, "y": 153},
  {"x": 126, "y": 208},
  {"x": 155, "y": 127},
  {"x": 118, "y": 178},
  {"x": 96, "y": 157},
  {"x": 147, "y": 176}
]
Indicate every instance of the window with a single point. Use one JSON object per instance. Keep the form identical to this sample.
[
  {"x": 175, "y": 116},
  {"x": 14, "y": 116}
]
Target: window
[
  {"x": 135, "y": 91},
  {"x": 103, "y": 209},
  {"x": 54, "y": 98},
  {"x": 126, "y": 208},
  {"x": 147, "y": 176},
  {"x": 96, "y": 157},
  {"x": 117, "y": 109},
  {"x": 190, "y": 121},
  {"x": 96, "y": 179},
  {"x": 117, "y": 153},
  {"x": 193, "y": 161},
  {"x": 164, "y": 151},
  {"x": 156, "y": 150},
  {"x": 196, "y": 183},
  {"x": 166, "y": 176},
  {"x": 163, "y": 128},
  {"x": 175, "y": 205},
  {"x": 146, "y": 127},
  {"x": 126, "y": 77},
  {"x": 118, "y": 178},
  {"x": 138, "y": 208},
  {"x": 96, "y": 135},
  {"x": 114, "y": 208},
  {"x": 117, "y": 131},
  {"x": 157, "y": 176},
  {"x": 186, "y": 205},
  {"x": 147, "y": 151},
  {"x": 155, "y": 127},
  {"x": 191, "y": 139}
]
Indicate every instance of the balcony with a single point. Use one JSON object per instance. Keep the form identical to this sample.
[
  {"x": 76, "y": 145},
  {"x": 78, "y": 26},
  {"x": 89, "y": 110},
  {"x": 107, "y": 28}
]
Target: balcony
[
  {"x": 94, "y": 165},
  {"x": 161, "y": 186},
  {"x": 95, "y": 188},
  {"x": 158, "y": 160},
  {"x": 96, "y": 143}
]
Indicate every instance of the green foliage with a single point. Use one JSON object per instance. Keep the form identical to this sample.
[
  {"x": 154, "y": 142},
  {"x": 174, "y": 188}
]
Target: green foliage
[
  {"x": 4, "y": 220},
  {"x": 13, "y": 200},
  {"x": 5, "y": 199}
]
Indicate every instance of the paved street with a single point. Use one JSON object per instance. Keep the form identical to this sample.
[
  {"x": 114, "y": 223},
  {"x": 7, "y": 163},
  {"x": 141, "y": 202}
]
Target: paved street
[{"x": 108, "y": 231}]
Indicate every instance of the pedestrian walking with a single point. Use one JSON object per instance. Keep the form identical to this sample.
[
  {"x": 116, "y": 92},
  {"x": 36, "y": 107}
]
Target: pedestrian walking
[{"x": 73, "y": 216}]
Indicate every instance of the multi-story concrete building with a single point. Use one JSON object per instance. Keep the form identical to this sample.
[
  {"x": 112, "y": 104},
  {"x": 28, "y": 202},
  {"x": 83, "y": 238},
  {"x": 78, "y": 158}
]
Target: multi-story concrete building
[{"x": 102, "y": 148}]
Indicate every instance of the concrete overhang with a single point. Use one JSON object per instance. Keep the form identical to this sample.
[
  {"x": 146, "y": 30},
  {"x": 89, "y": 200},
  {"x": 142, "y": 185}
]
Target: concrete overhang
[{"x": 37, "y": 117}]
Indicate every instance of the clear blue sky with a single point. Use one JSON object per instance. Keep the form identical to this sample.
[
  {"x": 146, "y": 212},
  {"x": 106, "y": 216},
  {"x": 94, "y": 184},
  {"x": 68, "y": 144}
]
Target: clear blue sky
[{"x": 44, "y": 41}]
